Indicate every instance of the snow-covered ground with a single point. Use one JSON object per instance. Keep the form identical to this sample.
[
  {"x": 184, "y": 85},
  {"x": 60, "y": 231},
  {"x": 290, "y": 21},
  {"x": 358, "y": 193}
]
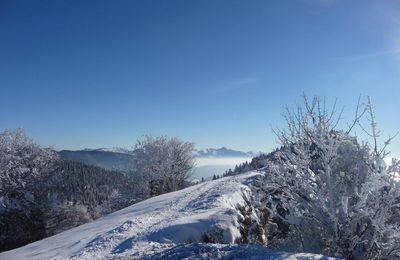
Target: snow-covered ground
[{"x": 162, "y": 227}]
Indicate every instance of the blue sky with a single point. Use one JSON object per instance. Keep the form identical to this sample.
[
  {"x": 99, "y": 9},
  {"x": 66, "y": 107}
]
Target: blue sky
[{"x": 78, "y": 74}]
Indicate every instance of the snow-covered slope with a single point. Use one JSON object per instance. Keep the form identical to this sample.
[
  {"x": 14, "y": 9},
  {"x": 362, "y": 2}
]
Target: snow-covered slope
[{"x": 161, "y": 227}]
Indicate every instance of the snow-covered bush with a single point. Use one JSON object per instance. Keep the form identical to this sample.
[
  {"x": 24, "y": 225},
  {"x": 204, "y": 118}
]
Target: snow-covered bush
[
  {"x": 327, "y": 193},
  {"x": 64, "y": 216}
]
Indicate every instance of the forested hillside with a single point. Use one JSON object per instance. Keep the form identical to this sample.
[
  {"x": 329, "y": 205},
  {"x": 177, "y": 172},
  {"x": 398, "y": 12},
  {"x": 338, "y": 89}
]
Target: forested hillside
[{"x": 104, "y": 159}]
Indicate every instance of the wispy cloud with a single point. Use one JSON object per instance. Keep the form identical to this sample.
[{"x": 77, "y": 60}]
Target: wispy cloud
[
  {"x": 373, "y": 55},
  {"x": 396, "y": 40},
  {"x": 244, "y": 81},
  {"x": 388, "y": 13},
  {"x": 239, "y": 83}
]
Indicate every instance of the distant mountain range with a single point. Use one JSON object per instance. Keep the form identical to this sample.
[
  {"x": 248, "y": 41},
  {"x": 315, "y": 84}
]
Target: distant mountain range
[
  {"x": 223, "y": 152},
  {"x": 209, "y": 152},
  {"x": 121, "y": 159},
  {"x": 113, "y": 150}
]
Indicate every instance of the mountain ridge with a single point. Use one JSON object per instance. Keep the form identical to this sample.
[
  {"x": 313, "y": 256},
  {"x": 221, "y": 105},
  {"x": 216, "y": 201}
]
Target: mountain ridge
[
  {"x": 207, "y": 152},
  {"x": 117, "y": 158}
]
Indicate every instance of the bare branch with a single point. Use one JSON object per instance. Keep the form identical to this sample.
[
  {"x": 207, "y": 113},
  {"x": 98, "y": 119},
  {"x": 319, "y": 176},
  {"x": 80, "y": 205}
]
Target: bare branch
[{"x": 358, "y": 115}]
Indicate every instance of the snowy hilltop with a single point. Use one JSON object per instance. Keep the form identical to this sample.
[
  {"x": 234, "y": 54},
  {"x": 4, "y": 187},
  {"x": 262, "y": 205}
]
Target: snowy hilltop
[
  {"x": 323, "y": 191},
  {"x": 176, "y": 225}
]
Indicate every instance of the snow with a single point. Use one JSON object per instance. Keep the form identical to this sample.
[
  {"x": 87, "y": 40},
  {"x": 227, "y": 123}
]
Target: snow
[
  {"x": 221, "y": 251},
  {"x": 162, "y": 227}
]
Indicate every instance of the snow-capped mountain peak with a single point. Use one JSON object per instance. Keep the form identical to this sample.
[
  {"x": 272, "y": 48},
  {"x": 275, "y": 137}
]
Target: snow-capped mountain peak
[
  {"x": 115, "y": 150},
  {"x": 222, "y": 152}
]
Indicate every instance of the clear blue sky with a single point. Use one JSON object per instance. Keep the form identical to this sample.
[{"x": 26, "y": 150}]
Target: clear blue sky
[{"x": 78, "y": 74}]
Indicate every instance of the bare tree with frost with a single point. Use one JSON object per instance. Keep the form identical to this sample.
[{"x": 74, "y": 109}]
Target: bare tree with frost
[
  {"x": 163, "y": 164},
  {"x": 326, "y": 193}
]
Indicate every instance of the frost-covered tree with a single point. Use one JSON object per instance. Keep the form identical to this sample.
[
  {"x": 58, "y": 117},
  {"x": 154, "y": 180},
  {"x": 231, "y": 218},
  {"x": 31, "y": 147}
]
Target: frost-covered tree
[
  {"x": 326, "y": 193},
  {"x": 24, "y": 170},
  {"x": 163, "y": 164},
  {"x": 22, "y": 164}
]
